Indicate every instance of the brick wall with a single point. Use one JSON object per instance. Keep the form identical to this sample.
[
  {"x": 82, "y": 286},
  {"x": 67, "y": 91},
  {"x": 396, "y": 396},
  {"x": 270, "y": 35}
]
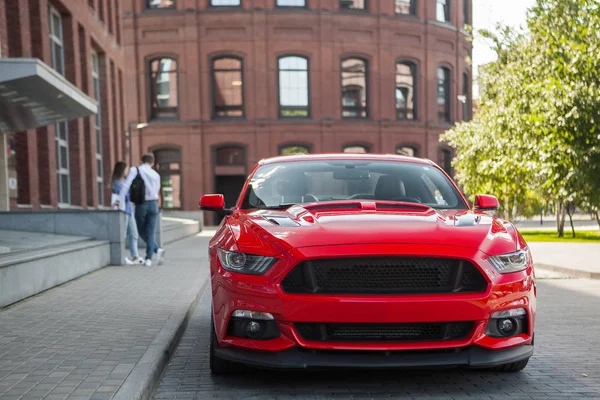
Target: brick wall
[{"x": 3, "y": 30}]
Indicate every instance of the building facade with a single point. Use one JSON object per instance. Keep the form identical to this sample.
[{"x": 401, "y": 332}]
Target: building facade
[
  {"x": 66, "y": 163},
  {"x": 222, "y": 84}
]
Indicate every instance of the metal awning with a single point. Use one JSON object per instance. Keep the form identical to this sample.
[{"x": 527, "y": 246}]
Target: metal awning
[{"x": 32, "y": 94}]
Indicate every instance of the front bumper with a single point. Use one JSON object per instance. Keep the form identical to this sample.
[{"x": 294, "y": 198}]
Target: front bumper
[{"x": 297, "y": 358}]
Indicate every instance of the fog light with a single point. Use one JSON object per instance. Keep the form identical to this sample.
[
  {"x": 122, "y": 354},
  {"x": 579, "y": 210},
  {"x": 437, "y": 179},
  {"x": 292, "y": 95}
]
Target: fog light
[
  {"x": 506, "y": 326},
  {"x": 253, "y": 328},
  {"x": 253, "y": 325}
]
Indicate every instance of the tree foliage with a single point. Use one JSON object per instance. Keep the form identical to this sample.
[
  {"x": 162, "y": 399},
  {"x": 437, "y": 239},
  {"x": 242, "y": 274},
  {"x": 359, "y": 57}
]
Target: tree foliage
[{"x": 535, "y": 137}]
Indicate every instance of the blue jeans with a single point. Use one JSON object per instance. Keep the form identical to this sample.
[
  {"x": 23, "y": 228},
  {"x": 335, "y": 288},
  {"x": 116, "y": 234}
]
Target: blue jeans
[
  {"x": 131, "y": 233},
  {"x": 146, "y": 217}
]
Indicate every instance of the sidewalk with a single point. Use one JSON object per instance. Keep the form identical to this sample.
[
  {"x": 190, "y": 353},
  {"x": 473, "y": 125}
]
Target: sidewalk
[
  {"x": 581, "y": 260},
  {"x": 82, "y": 340}
]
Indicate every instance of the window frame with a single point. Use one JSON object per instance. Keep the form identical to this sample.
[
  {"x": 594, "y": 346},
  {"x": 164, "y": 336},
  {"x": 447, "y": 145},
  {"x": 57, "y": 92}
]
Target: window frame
[
  {"x": 213, "y": 87},
  {"x": 309, "y": 147},
  {"x": 155, "y": 151},
  {"x": 415, "y": 148},
  {"x": 56, "y": 40},
  {"x": 447, "y": 11},
  {"x": 277, "y": 5},
  {"x": 364, "y": 9},
  {"x": 466, "y": 13},
  {"x": 413, "y": 9},
  {"x": 415, "y": 75},
  {"x": 367, "y": 88},
  {"x": 173, "y": 7},
  {"x": 98, "y": 124},
  {"x": 448, "y": 94},
  {"x": 443, "y": 152},
  {"x": 279, "y": 106},
  {"x": 222, "y": 146},
  {"x": 368, "y": 147},
  {"x": 151, "y": 113}
]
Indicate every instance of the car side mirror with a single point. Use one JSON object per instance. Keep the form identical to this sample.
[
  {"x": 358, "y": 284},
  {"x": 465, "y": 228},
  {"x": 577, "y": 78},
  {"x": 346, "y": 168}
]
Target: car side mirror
[
  {"x": 485, "y": 202},
  {"x": 213, "y": 202}
]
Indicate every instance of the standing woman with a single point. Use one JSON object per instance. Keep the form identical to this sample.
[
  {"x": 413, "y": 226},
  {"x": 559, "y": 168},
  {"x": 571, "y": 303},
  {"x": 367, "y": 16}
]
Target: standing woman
[{"x": 123, "y": 203}]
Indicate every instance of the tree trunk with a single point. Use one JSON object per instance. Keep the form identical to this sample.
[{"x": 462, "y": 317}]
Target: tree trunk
[
  {"x": 597, "y": 215},
  {"x": 570, "y": 208},
  {"x": 560, "y": 215}
]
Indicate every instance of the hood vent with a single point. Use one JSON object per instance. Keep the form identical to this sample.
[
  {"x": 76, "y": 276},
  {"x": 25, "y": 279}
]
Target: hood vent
[
  {"x": 467, "y": 220},
  {"x": 281, "y": 221}
]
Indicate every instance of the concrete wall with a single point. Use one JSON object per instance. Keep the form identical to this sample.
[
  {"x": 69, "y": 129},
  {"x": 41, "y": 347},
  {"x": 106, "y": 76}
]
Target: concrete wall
[{"x": 97, "y": 224}]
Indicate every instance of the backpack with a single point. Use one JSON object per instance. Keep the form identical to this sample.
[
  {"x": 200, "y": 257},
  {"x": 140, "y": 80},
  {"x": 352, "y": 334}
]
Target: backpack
[{"x": 137, "y": 191}]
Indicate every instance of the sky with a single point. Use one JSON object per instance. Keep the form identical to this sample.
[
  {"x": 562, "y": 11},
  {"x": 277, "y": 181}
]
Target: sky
[{"x": 486, "y": 13}]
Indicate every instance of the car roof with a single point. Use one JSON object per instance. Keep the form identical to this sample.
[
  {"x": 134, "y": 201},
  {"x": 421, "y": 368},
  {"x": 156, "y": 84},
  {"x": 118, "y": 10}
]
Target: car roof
[{"x": 344, "y": 156}]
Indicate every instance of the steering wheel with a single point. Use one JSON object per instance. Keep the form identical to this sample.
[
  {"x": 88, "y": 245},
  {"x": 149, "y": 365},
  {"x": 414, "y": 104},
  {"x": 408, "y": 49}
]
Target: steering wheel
[
  {"x": 309, "y": 198},
  {"x": 407, "y": 199}
]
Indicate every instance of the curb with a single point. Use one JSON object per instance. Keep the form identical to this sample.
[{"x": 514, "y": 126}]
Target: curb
[
  {"x": 575, "y": 273},
  {"x": 143, "y": 379}
]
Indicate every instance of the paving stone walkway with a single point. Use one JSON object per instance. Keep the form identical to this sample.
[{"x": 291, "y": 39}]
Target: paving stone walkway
[{"x": 81, "y": 340}]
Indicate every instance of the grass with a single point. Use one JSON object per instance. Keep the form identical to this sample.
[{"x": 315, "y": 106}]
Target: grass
[{"x": 550, "y": 236}]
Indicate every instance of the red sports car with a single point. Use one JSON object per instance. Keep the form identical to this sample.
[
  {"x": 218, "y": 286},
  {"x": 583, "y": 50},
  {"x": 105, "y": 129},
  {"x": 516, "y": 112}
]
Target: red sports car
[{"x": 361, "y": 260}]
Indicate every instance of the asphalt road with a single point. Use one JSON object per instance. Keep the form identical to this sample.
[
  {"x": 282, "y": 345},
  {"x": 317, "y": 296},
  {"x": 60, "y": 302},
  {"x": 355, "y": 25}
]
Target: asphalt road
[{"x": 566, "y": 364}]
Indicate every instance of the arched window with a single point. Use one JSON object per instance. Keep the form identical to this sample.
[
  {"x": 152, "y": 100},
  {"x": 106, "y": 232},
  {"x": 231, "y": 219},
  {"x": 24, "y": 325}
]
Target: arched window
[
  {"x": 168, "y": 165},
  {"x": 291, "y": 3},
  {"x": 466, "y": 98},
  {"x": 446, "y": 161},
  {"x": 443, "y": 94},
  {"x": 406, "y": 7},
  {"x": 353, "y": 4},
  {"x": 230, "y": 155},
  {"x": 406, "y": 99},
  {"x": 293, "y": 87},
  {"x": 407, "y": 150},
  {"x": 294, "y": 149},
  {"x": 160, "y": 4},
  {"x": 163, "y": 88},
  {"x": 354, "y": 88},
  {"x": 356, "y": 148},
  {"x": 228, "y": 93},
  {"x": 442, "y": 10},
  {"x": 225, "y": 3}
]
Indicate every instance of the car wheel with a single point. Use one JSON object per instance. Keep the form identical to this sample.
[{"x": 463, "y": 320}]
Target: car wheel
[
  {"x": 218, "y": 366},
  {"x": 511, "y": 367}
]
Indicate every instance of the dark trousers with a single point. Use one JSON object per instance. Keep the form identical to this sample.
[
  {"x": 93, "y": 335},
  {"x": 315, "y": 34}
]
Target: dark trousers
[{"x": 146, "y": 218}]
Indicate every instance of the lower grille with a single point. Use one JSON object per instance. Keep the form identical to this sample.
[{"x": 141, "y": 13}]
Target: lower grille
[
  {"x": 417, "y": 332},
  {"x": 384, "y": 275}
]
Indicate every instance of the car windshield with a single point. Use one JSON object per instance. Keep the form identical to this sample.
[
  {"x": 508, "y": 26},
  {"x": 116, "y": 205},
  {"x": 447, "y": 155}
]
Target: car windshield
[{"x": 276, "y": 186}]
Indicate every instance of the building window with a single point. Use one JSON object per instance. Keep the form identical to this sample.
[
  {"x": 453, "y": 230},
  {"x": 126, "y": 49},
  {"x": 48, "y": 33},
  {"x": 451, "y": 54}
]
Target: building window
[
  {"x": 163, "y": 88},
  {"x": 354, "y": 88},
  {"x": 293, "y": 87},
  {"x": 442, "y": 10},
  {"x": 406, "y": 7},
  {"x": 56, "y": 41},
  {"x": 406, "y": 78},
  {"x": 160, "y": 4},
  {"x": 168, "y": 166},
  {"x": 411, "y": 151},
  {"x": 466, "y": 14},
  {"x": 466, "y": 98},
  {"x": 355, "y": 148},
  {"x": 230, "y": 156},
  {"x": 98, "y": 131},
  {"x": 228, "y": 98},
  {"x": 447, "y": 161},
  {"x": 294, "y": 149},
  {"x": 353, "y": 4},
  {"x": 225, "y": 3},
  {"x": 291, "y": 3},
  {"x": 443, "y": 94}
]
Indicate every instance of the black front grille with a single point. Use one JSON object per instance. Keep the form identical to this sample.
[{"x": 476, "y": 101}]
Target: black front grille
[
  {"x": 414, "y": 332},
  {"x": 384, "y": 275}
]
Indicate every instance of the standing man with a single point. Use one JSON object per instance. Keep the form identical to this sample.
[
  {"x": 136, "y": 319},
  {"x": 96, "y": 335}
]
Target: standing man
[{"x": 146, "y": 210}]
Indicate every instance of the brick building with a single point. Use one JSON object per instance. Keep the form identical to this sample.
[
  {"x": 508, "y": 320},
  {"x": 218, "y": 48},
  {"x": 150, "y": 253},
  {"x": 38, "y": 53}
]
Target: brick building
[
  {"x": 224, "y": 83},
  {"x": 65, "y": 124}
]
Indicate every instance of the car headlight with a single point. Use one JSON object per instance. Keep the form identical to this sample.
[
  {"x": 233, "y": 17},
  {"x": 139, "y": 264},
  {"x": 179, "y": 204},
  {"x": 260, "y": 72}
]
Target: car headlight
[
  {"x": 244, "y": 263},
  {"x": 511, "y": 262}
]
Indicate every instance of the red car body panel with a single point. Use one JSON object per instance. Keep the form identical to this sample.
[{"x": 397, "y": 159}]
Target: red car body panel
[{"x": 321, "y": 232}]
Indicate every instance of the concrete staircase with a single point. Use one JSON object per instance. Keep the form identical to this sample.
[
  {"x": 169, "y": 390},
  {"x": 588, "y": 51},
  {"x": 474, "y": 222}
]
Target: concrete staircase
[{"x": 34, "y": 262}]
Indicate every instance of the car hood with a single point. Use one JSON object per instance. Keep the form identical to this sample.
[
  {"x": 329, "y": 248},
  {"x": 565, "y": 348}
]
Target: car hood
[{"x": 269, "y": 232}]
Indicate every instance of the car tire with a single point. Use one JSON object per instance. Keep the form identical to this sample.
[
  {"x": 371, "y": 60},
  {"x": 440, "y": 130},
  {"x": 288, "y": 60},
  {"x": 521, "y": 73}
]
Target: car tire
[
  {"x": 511, "y": 367},
  {"x": 219, "y": 366}
]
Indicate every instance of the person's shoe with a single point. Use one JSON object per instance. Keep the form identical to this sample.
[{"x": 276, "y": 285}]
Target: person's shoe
[
  {"x": 138, "y": 261},
  {"x": 160, "y": 256},
  {"x": 128, "y": 261},
  {"x": 148, "y": 262}
]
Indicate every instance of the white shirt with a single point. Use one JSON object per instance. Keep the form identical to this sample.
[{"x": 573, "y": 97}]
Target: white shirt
[{"x": 151, "y": 179}]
